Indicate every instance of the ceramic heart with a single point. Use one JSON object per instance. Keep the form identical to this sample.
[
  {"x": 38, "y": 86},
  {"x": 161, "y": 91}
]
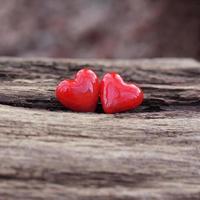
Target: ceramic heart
[
  {"x": 80, "y": 94},
  {"x": 118, "y": 96}
]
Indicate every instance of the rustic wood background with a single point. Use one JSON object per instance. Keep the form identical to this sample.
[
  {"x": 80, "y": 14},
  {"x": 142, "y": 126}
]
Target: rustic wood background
[{"x": 48, "y": 152}]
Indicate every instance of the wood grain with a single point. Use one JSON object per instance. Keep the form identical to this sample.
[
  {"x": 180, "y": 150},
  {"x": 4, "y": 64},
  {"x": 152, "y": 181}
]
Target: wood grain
[{"x": 48, "y": 152}]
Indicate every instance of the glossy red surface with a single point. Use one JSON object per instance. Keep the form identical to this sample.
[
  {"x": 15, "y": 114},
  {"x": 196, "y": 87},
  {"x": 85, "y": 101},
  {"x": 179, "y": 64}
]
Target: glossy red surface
[
  {"x": 80, "y": 94},
  {"x": 117, "y": 96}
]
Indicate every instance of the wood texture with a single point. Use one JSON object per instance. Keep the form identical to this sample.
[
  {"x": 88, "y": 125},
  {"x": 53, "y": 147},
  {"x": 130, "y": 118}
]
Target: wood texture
[{"x": 48, "y": 152}]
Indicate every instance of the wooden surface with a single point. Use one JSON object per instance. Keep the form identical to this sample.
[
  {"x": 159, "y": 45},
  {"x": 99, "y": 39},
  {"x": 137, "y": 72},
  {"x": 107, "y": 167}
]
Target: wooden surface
[{"x": 47, "y": 152}]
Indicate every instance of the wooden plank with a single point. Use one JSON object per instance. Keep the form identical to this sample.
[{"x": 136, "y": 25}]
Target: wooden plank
[{"x": 48, "y": 152}]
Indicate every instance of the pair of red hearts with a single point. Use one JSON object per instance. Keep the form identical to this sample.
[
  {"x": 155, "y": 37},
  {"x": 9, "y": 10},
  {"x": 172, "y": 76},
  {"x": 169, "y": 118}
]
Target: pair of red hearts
[{"x": 82, "y": 93}]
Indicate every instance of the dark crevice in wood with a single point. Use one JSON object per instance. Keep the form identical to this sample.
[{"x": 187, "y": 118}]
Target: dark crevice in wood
[
  {"x": 51, "y": 104},
  {"x": 96, "y": 179}
]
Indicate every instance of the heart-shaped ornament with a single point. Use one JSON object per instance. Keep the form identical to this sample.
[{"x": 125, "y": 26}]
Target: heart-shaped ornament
[
  {"x": 118, "y": 96},
  {"x": 80, "y": 94}
]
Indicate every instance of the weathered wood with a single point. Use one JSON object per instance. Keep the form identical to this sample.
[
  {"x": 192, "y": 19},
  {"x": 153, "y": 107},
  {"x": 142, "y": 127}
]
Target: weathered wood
[{"x": 48, "y": 152}]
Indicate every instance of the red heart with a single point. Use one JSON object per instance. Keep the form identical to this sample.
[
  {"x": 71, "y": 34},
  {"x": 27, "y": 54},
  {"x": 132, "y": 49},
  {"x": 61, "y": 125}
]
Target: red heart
[
  {"x": 80, "y": 94},
  {"x": 117, "y": 96}
]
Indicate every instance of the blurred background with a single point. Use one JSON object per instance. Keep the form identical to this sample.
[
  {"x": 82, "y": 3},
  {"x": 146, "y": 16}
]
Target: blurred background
[{"x": 100, "y": 28}]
